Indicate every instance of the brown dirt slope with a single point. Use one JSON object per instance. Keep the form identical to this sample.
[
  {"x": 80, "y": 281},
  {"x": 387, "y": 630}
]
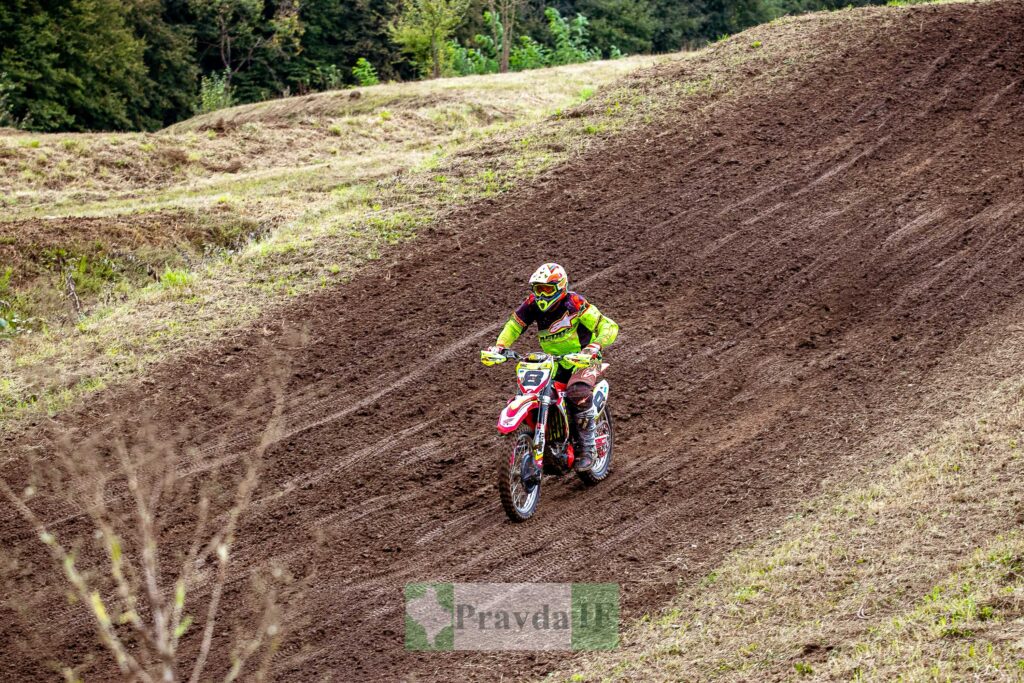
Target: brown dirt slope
[{"x": 792, "y": 268}]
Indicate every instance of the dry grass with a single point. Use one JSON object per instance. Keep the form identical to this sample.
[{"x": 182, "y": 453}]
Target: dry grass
[
  {"x": 317, "y": 193},
  {"x": 272, "y": 151}
]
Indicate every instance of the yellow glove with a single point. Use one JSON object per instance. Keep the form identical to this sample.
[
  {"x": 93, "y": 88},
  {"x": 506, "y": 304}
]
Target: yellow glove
[
  {"x": 586, "y": 357},
  {"x": 493, "y": 356}
]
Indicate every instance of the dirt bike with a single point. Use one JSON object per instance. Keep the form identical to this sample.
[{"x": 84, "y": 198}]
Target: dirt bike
[{"x": 541, "y": 401}]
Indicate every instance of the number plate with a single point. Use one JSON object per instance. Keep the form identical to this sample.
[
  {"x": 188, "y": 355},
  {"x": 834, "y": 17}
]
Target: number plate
[{"x": 533, "y": 377}]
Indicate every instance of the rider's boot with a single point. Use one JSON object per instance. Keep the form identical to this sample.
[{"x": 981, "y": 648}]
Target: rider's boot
[{"x": 586, "y": 427}]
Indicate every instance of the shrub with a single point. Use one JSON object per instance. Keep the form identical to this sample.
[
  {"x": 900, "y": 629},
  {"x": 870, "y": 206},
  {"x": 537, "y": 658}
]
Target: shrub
[
  {"x": 570, "y": 39},
  {"x": 215, "y": 93},
  {"x": 528, "y": 54},
  {"x": 10, "y": 318},
  {"x": 364, "y": 73},
  {"x": 7, "y": 117},
  {"x": 469, "y": 61},
  {"x": 120, "y": 577},
  {"x": 172, "y": 279},
  {"x": 330, "y": 77}
]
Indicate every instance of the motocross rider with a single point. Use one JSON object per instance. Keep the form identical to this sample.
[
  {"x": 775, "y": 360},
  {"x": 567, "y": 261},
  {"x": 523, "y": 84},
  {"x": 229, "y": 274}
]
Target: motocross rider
[{"x": 567, "y": 324}]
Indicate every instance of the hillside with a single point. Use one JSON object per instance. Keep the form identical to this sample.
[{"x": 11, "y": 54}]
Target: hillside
[
  {"x": 810, "y": 235},
  {"x": 118, "y": 249}
]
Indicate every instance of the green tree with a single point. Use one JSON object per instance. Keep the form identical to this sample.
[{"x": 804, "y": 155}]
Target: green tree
[
  {"x": 338, "y": 32},
  {"x": 75, "y": 65},
  {"x": 170, "y": 59},
  {"x": 364, "y": 73},
  {"x": 423, "y": 29},
  {"x": 252, "y": 40},
  {"x": 571, "y": 42},
  {"x": 626, "y": 24},
  {"x": 503, "y": 20}
]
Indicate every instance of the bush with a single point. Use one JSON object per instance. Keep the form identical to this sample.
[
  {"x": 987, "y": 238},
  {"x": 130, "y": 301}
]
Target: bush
[
  {"x": 469, "y": 61},
  {"x": 175, "y": 279},
  {"x": 329, "y": 77},
  {"x": 364, "y": 73},
  {"x": 215, "y": 93},
  {"x": 11, "y": 319},
  {"x": 528, "y": 54},
  {"x": 7, "y": 117},
  {"x": 570, "y": 39}
]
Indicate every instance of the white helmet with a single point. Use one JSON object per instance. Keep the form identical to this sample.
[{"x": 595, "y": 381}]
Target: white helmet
[{"x": 549, "y": 284}]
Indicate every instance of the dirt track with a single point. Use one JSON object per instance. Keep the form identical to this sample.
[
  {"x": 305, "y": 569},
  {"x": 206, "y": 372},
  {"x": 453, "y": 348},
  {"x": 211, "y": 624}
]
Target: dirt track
[{"x": 789, "y": 276}]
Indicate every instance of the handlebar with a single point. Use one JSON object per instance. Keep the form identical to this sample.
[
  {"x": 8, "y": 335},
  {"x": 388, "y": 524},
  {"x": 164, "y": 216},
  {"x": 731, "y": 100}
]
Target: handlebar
[
  {"x": 510, "y": 354},
  {"x": 513, "y": 355}
]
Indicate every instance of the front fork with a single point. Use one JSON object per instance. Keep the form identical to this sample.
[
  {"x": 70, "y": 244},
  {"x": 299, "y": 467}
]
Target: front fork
[{"x": 540, "y": 431}]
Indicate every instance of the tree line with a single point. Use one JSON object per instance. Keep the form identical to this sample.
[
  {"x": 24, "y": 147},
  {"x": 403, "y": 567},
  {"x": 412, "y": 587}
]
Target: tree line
[{"x": 74, "y": 65}]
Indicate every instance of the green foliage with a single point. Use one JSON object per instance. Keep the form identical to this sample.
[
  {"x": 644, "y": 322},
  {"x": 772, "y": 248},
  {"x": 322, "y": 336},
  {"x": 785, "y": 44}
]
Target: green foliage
[
  {"x": 469, "y": 61},
  {"x": 528, "y": 54},
  {"x": 214, "y": 93},
  {"x": 619, "y": 24},
  {"x": 254, "y": 42},
  {"x": 423, "y": 30},
  {"x": 169, "y": 58},
  {"x": 142, "y": 64},
  {"x": 325, "y": 77},
  {"x": 175, "y": 279},
  {"x": 364, "y": 72},
  {"x": 72, "y": 67},
  {"x": 570, "y": 37},
  {"x": 340, "y": 32},
  {"x": 12, "y": 319},
  {"x": 7, "y": 116}
]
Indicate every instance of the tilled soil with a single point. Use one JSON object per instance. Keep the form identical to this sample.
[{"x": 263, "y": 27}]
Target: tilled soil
[{"x": 790, "y": 275}]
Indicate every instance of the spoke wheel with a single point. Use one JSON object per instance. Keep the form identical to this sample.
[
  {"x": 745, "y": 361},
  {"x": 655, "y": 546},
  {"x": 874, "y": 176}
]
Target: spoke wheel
[
  {"x": 519, "y": 502},
  {"x": 605, "y": 447}
]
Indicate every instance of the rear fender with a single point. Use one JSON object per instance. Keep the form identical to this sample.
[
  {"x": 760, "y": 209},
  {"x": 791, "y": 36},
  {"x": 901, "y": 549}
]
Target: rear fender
[
  {"x": 516, "y": 411},
  {"x": 601, "y": 395}
]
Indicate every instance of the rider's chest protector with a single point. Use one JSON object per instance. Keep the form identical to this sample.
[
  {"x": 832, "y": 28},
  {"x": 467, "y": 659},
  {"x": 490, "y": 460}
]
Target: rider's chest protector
[{"x": 559, "y": 329}]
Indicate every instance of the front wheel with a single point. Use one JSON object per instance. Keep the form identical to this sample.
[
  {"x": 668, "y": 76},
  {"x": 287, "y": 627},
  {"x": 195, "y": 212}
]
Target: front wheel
[
  {"x": 519, "y": 503},
  {"x": 605, "y": 446}
]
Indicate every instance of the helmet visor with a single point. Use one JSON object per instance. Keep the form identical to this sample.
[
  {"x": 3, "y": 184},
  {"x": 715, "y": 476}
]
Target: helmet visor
[{"x": 544, "y": 289}]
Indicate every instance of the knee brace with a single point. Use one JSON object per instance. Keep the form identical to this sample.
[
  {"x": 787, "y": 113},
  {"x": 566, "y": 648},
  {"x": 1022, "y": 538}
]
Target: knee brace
[{"x": 580, "y": 395}]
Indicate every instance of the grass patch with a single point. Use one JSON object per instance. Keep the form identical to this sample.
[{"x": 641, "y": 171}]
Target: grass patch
[
  {"x": 175, "y": 279},
  {"x": 916, "y": 573},
  {"x": 342, "y": 198}
]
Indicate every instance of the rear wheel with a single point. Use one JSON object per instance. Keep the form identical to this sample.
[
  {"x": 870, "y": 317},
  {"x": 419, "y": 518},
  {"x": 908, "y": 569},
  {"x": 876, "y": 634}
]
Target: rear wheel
[
  {"x": 605, "y": 446},
  {"x": 519, "y": 503}
]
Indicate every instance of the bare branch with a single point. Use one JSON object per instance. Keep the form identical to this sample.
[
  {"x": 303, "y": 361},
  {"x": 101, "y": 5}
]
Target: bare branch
[
  {"x": 101, "y": 619},
  {"x": 222, "y": 541}
]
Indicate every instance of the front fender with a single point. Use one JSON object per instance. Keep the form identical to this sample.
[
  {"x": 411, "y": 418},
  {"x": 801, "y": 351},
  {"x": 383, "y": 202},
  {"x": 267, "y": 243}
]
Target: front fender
[{"x": 515, "y": 412}]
